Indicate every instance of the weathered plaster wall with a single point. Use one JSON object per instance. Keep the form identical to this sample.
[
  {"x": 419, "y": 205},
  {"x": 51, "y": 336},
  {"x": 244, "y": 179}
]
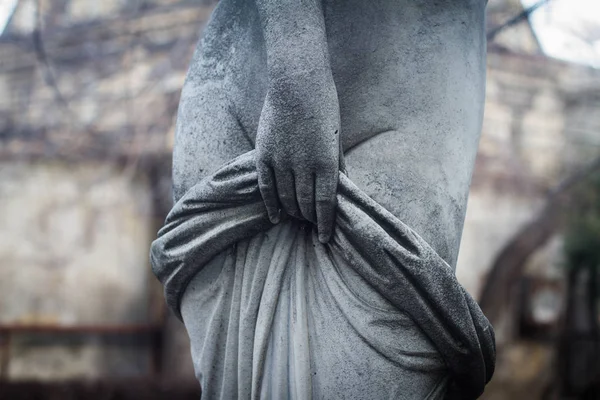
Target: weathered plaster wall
[
  {"x": 73, "y": 244},
  {"x": 540, "y": 125},
  {"x": 84, "y": 180},
  {"x": 115, "y": 75},
  {"x": 73, "y": 251}
]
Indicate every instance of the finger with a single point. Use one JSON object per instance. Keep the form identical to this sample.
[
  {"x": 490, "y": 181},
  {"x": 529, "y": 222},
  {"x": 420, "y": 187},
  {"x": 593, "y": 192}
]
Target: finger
[
  {"x": 286, "y": 190},
  {"x": 305, "y": 194},
  {"x": 325, "y": 199},
  {"x": 268, "y": 191},
  {"x": 342, "y": 160}
]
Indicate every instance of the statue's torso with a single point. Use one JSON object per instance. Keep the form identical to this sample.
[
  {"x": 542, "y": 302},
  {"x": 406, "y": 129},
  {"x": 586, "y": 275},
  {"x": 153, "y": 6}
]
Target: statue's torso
[{"x": 410, "y": 77}]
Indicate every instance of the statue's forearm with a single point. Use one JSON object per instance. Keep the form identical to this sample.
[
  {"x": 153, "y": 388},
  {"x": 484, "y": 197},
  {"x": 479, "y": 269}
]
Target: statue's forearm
[
  {"x": 295, "y": 39},
  {"x": 297, "y": 141}
]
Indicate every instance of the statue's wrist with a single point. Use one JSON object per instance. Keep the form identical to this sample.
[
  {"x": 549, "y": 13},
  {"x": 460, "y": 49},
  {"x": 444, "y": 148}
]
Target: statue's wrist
[
  {"x": 310, "y": 80},
  {"x": 287, "y": 65}
]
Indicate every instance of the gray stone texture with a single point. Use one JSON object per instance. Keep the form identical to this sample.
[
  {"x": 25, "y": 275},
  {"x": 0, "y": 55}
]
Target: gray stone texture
[
  {"x": 398, "y": 87},
  {"x": 410, "y": 79},
  {"x": 274, "y": 313}
]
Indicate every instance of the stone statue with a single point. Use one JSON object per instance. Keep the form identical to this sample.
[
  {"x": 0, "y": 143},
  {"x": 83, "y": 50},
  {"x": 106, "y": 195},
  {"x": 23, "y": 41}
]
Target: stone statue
[{"x": 322, "y": 161}]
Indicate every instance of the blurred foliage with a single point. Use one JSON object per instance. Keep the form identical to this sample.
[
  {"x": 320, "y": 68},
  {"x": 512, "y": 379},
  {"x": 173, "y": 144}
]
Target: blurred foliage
[{"x": 582, "y": 236}]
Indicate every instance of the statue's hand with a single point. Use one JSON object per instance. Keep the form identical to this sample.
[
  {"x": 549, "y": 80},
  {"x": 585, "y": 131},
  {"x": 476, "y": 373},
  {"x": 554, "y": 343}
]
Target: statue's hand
[{"x": 297, "y": 147}]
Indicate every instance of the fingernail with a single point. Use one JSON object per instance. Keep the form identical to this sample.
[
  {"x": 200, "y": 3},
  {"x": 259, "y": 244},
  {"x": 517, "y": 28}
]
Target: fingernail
[
  {"x": 274, "y": 219},
  {"x": 323, "y": 238}
]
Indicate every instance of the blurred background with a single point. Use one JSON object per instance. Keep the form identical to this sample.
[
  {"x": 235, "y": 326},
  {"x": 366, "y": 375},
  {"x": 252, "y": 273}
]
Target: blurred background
[{"x": 88, "y": 97}]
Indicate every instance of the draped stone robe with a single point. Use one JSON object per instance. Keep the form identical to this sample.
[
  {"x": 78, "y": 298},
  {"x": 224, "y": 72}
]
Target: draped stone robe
[{"x": 410, "y": 77}]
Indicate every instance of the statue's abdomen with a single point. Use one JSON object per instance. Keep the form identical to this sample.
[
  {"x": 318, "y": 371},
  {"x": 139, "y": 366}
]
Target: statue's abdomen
[{"x": 410, "y": 77}]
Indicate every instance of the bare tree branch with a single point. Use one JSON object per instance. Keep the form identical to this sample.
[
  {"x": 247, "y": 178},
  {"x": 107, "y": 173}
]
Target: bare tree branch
[
  {"x": 42, "y": 57},
  {"x": 515, "y": 20}
]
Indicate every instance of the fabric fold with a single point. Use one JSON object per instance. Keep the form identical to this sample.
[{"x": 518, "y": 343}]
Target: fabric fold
[{"x": 371, "y": 250}]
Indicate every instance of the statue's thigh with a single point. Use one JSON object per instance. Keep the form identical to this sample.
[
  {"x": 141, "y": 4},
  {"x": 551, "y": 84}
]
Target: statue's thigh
[
  {"x": 412, "y": 186},
  {"x": 411, "y": 106},
  {"x": 207, "y": 134}
]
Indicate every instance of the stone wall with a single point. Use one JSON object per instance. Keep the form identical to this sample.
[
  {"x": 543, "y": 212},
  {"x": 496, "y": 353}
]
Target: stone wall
[
  {"x": 97, "y": 81},
  {"x": 73, "y": 245},
  {"x": 539, "y": 126},
  {"x": 74, "y": 252},
  {"x": 86, "y": 118}
]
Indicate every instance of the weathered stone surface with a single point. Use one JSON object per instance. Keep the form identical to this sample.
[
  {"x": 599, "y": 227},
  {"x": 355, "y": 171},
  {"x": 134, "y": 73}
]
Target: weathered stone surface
[
  {"x": 405, "y": 105},
  {"x": 418, "y": 96},
  {"x": 272, "y": 311}
]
